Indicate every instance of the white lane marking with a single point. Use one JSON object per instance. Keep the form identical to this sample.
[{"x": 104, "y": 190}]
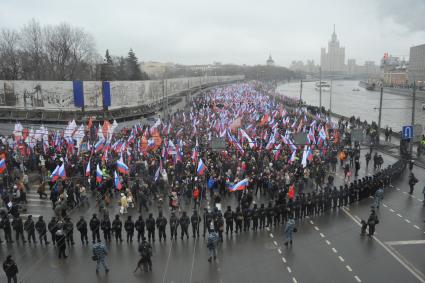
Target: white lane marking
[
  {"x": 294, "y": 280},
  {"x": 392, "y": 210},
  {"x": 420, "y": 199},
  {"x": 412, "y": 270},
  {"x": 398, "y": 189},
  {"x": 289, "y": 269},
  {"x": 334, "y": 250},
  {"x": 417, "y": 227},
  {"x": 399, "y": 215},
  {"x": 311, "y": 222},
  {"x": 349, "y": 268},
  {"x": 275, "y": 243},
  {"x": 405, "y": 193},
  {"x": 357, "y": 278},
  {"x": 279, "y": 251},
  {"x": 358, "y": 218},
  {"x": 284, "y": 260},
  {"x": 400, "y": 243},
  {"x": 267, "y": 228},
  {"x": 271, "y": 235},
  {"x": 341, "y": 258},
  {"x": 322, "y": 235},
  {"x": 407, "y": 220},
  {"x": 384, "y": 205},
  {"x": 316, "y": 228},
  {"x": 327, "y": 242}
]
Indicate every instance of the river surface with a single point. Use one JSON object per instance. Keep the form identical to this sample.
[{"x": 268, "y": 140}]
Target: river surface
[{"x": 396, "y": 109}]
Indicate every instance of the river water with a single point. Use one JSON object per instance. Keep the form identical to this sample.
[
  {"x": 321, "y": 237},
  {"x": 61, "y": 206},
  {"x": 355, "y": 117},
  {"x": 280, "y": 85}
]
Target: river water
[{"x": 361, "y": 103}]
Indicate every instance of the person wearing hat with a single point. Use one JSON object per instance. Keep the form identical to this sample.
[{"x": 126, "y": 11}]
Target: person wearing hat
[
  {"x": 41, "y": 228},
  {"x": 11, "y": 269},
  {"x": 29, "y": 227},
  {"x": 94, "y": 227}
]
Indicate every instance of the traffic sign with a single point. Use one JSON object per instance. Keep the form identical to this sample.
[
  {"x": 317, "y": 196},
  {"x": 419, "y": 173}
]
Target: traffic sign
[{"x": 407, "y": 132}]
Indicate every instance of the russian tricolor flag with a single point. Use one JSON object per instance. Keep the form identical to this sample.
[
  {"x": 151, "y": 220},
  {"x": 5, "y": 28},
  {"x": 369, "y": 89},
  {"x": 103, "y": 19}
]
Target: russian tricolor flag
[
  {"x": 201, "y": 167},
  {"x": 62, "y": 173},
  {"x": 2, "y": 165},
  {"x": 121, "y": 167},
  {"x": 88, "y": 169},
  {"x": 117, "y": 182},
  {"x": 55, "y": 174},
  {"x": 239, "y": 186},
  {"x": 99, "y": 145},
  {"x": 99, "y": 174}
]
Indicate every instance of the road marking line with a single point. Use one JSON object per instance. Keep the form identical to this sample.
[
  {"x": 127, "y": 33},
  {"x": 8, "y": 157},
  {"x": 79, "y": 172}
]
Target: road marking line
[
  {"x": 271, "y": 235},
  {"x": 407, "y": 220},
  {"x": 294, "y": 280},
  {"x": 316, "y": 228},
  {"x": 399, "y": 243},
  {"x": 268, "y": 229},
  {"x": 357, "y": 278},
  {"x": 275, "y": 243},
  {"x": 279, "y": 251},
  {"x": 322, "y": 235},
  {"x": 334, "y": 250},
  {"x": 414, "y": 271},
  {"x": 420, "y": 200},
  {"x": 399, "y": 215},
  {"x": 398, "y": 189},
  {"x": 349, "y": 268},
  {"x": 384, "y": 205},
  {"x": 341, "y": 258},
  {"x": 283, "y": 259},
  {"x": 311, "y": 222},
  {"x": 392, "y": 210},
  {"x": 358, "y": 218},
  {"x": 327, "y": 242},
  {"x": 289, "y": 269},
  {"x": 405, "y": 193},
  {"x": 417, "y": 227}
]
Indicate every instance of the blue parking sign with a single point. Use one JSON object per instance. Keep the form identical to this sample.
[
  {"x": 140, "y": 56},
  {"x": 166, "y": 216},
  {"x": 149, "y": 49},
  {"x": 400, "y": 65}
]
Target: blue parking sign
[{"x": 407, "y": 132}]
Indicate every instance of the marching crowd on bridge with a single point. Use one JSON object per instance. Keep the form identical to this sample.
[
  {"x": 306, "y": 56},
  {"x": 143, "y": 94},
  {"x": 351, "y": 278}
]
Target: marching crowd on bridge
[{"x": 144, "y": 166}]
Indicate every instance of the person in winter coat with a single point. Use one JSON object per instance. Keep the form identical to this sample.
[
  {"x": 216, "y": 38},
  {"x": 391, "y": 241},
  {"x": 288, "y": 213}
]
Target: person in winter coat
[
  {"x": 212, "y": 241},
  {"x": 99, "y": 254},
  {"x": 371, "y": 222},
  {"x": 82, "y": 228},
  {"x": 289, "y": 230},
  {"x": 129, "y": 228},
  {"x": 11, "y": 269},
  {"x": 412, "y": 182},
  {"x": 41, "y": 228},
  {"x": 29, "y": 227}
]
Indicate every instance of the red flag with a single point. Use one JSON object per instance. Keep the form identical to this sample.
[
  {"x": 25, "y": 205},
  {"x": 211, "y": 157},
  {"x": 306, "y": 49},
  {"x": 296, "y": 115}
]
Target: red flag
[{"x": 291, "y": 192}]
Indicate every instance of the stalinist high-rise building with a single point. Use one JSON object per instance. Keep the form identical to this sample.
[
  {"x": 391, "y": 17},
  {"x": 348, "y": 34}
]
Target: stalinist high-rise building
[{"x": 333, "y": 61}]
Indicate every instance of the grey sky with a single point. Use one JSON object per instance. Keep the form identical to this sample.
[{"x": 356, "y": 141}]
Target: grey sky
[{"x": 233, "y": 31}]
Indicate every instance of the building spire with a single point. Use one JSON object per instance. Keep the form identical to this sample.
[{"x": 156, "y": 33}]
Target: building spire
[{"x": 334, "y": 39}]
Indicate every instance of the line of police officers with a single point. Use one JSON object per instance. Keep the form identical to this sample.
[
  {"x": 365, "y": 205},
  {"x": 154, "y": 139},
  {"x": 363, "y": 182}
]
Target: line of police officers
[{"x": 302, "y": 205}]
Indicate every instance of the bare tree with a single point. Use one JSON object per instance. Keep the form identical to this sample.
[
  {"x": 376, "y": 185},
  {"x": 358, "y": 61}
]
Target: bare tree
[
  {"x": 9, "y": 55},
  {"x": 33, "y": 55}
]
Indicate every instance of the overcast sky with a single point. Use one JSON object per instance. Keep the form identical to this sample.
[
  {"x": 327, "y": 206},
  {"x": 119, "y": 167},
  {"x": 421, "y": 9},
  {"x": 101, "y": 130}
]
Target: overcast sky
[{"x": 233, "y": 31}]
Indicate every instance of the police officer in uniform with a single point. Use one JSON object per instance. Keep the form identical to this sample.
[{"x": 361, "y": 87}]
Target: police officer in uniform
[
  {"x": 106, "y": 227},
  {"x": 255, "y": 218},
  {"x": 82, "y": 228},
  {"x": 41, "y": 228},
  {"x": 29, "y": 227},
  {"x": 117, "y": 228},
  {"x": 195, "y": 219},
  {"x": 161, "y": 223},
  {"x": 184, "y": 224},
  {"x": 174, "y": 222},
  {"x": 140, "y": 228},
  {"x": 262, "y": 216},
  {"x": 207, "y": 220},
  {"x": 228, "y": 216},
  {"x": 238, "y": 219},
  {"x": 129, "y": 228},
  {"x": 18, "y": 226},
  {"x": 53, "y": 228},
  {"x": 150, "y": 226},
  {"x": 94, "y": 227},
  {"x": 69, "y": 231}
]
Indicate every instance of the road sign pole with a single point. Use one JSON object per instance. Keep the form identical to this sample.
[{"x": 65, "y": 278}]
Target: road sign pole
[
  {"x": 380, "y": 113},
  {"x": 413, "y": 117}
]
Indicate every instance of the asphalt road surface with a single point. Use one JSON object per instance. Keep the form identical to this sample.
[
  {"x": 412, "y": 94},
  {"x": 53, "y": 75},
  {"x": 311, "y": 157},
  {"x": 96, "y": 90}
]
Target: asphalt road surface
[{"x": 327, "y": 248}]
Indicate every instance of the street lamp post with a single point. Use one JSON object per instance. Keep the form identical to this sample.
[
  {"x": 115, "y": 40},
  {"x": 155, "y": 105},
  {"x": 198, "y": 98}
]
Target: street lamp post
[
  {"x": 320, "y": 88},
  {"x": 413, "y": 115}
]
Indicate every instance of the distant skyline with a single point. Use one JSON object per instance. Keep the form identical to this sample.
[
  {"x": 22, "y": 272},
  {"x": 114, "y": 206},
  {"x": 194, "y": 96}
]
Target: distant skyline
[{"x": 233, "y": 31}]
